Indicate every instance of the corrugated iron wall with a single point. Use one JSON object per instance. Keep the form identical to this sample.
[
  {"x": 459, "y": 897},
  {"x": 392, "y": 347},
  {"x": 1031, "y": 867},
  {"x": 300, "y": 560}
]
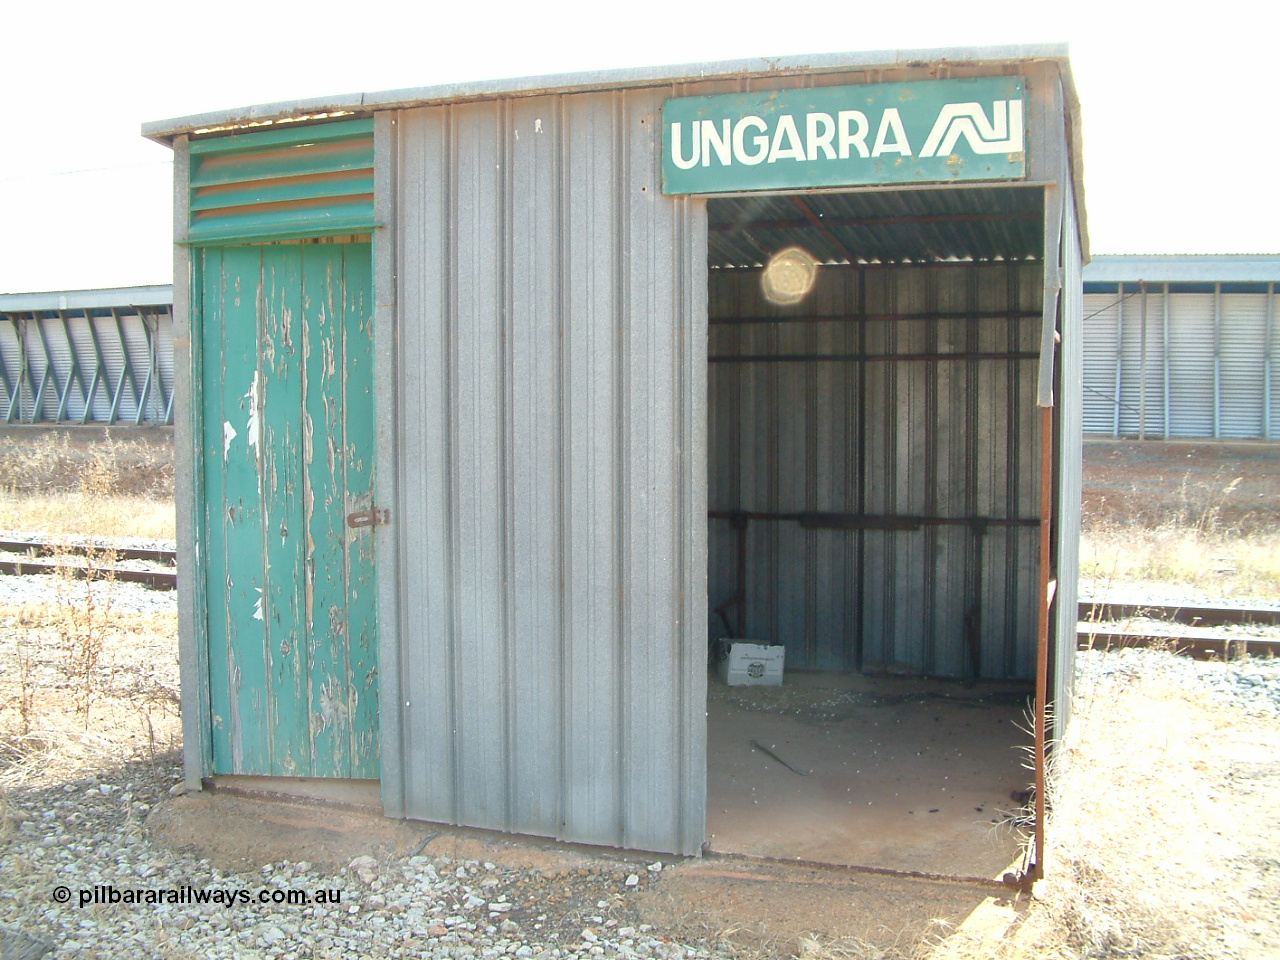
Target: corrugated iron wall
[
  {"x": 550, "y": 400},
  {"x": 952, "y": 443},
  {"x": 1205, "y": 370}
]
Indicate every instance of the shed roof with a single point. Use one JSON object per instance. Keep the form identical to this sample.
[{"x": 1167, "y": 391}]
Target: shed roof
[
  {"x": 1184, "y": 268},
  {"x": 320, "y": 108},
  {"x": 100, "y": 299},
  {"x": 164, "y": 131}
]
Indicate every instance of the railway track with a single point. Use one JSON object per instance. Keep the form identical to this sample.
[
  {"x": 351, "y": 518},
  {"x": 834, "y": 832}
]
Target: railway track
[
  {"x": 1188, "y": 629},
  {"x": 37, "y": 557}
]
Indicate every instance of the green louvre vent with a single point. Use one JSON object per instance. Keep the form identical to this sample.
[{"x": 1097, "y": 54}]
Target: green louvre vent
[{"x": 305, "y": 180}]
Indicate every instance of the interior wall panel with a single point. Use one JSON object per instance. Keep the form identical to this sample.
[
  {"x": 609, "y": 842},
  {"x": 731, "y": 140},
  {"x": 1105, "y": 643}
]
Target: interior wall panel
[{"x": 940, "y": 438}]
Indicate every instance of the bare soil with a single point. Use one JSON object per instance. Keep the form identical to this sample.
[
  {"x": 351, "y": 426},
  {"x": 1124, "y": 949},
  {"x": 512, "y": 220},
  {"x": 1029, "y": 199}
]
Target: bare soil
[{"x": 1232, "y": 486}]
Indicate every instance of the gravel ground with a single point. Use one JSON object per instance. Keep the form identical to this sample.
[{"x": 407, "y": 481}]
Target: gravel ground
[
  {"x": 89, "y": 834},
  {"x": 1252, "y": 684},
  {"x": 90, "y": 837},
  {"x": 1160, "y": 593},
  {"x": 125, "y": 597}
]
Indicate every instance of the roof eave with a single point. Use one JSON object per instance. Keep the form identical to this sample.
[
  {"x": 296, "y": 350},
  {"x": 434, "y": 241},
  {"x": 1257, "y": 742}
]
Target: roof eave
[{"x": 164, "y": 131}]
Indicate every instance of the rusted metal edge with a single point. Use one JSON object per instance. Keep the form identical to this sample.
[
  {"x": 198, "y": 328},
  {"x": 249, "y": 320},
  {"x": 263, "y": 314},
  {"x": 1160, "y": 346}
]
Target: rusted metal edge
[
  {"x": 1036, "y": 868},
  {"x": 1101, "y": 611},
  {"x": 1196, "y": 647},
  {"x": 46, "y": 548},
  {"x": 155, "y": 579},
  {"x": 957, "y": 878},
  {"x": 214, "y": 785}
]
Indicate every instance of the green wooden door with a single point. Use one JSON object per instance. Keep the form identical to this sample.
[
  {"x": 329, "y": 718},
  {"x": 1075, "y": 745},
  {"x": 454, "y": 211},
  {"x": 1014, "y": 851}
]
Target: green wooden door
[{"x": 286, "y": 337}]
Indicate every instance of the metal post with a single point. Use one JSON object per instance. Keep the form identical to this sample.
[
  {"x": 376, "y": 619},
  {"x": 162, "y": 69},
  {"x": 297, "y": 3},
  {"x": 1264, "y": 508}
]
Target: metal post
[
  {"x": 10, "y": 388},
  {"x": 151, "y": 369},
  {"x": 99, "y": 370},
  {"x": 1266, "y": 363},
  {"x": 1142, "y": 368},
  {"x": 77, "y": 373},
  {"x": 125, "y": 372},
  {"x": 1217, "y": 361},
  {"x": 1168, "y": 430},
  {"x": 50, "y": 371},
  {"x": 1115, "y": 424}
]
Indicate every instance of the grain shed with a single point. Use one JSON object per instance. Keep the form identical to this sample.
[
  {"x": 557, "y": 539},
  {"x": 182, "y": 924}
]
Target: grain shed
[
  {"x": 1181, "y": 347},
  {"x": 498, "y": 402}
]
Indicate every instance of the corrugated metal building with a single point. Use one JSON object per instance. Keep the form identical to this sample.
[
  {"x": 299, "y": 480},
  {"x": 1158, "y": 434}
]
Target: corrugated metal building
[
  {"x": 1181, "y": 347},
  {"x": 479, "y": 408},
  {"x": 87, "y": 356}
]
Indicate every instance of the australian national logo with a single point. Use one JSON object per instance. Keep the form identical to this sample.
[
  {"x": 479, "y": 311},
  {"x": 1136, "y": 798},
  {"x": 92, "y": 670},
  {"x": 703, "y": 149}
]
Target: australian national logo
[
  {"x": 1002, "y": 134},
  {"x": 751, "y": 140}
]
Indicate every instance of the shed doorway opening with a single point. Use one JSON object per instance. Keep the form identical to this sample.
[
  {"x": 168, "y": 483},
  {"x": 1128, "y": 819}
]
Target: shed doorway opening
[{"x": 873, "y": 495}]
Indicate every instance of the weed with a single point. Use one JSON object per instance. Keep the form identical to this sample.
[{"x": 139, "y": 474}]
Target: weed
[
  {"x": 82, "y": 617},
  {"x": 98, "y": 474},
  {"x": 26, "y": 685},
  {"x": 1145, "y": 846}
]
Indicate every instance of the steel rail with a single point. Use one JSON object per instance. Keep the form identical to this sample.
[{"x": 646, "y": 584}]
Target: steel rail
[
  {"x": 156, "y": 579},
  {"x": 44, "y": 548}
]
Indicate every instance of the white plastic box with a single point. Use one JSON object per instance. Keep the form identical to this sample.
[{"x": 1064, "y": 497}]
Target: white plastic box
[{"x": 752, "y": 664}]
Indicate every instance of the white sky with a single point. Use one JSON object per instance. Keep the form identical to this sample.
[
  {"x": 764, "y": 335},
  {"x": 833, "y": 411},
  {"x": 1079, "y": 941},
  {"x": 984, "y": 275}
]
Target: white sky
[{"x": 1181, "y": 126}]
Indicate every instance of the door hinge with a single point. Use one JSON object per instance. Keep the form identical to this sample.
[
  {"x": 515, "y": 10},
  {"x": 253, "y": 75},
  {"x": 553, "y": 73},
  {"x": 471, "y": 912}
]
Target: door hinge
[{"x": 368, "y": 518}]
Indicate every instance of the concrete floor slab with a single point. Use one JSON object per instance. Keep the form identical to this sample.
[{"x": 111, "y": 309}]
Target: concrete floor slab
[{"x": 902, "y": 773}]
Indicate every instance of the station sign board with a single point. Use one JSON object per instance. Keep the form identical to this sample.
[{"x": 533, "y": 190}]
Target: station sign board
[{"x": 931, "y": 131}]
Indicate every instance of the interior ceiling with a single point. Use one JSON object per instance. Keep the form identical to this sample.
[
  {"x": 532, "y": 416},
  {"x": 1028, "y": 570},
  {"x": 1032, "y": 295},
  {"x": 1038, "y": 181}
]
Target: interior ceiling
[{"x": 878, "y": 226}]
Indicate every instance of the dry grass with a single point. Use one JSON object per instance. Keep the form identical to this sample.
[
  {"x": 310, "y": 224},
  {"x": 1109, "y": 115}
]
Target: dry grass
[
  {"x": 1154, "y": 850},
  {"x": 62, "y": 483},
  {"x": 97, "y": 465},
  {"x": 74, "y": 514},
  {"x": 46, "y": 681},
  {"x": 83, "y": 685},
  {"x": 1200, "y": 536},
  {"x": 1218, "y": 562}
]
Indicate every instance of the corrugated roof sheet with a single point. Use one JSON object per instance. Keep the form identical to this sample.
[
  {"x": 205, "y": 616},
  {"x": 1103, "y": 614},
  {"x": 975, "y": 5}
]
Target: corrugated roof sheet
[
  {"x": 889, "y": 226},
  {"x": 1185, "y": 268},
  {"x": 157, "y": 295}
]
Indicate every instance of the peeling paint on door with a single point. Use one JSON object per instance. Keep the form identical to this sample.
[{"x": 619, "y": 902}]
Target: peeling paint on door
[{"x": 289, "y": 587}]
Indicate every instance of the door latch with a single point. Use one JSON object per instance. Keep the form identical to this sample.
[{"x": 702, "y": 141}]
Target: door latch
[{"x": 368, "y": 518}]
